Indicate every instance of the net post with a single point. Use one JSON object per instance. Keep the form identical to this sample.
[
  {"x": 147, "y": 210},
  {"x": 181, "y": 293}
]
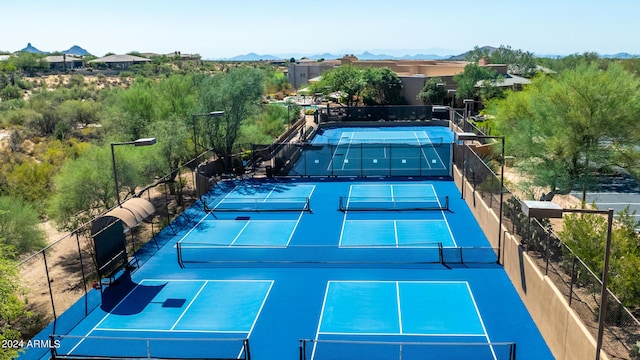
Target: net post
[
  {"x": 440, "y": 253},
  {"x": 247, "y": 352},
  {"x": 512, "y": 352},
  {"x": 302, "y": 349},
  {"x": 52, "y": 347},
  {"x": 307, "y": 204},
  {"x": 179, "y": 252},
  {"x": 446, "y": 202}
]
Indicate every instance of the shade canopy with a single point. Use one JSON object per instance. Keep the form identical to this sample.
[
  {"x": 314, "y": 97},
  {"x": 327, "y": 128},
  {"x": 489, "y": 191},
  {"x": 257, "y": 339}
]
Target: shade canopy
[{"x": 132, "y": 212}]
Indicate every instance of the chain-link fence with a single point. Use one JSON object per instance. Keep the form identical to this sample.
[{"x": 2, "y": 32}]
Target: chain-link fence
[
  {"x": 480, "y": 167},
  {"x": 57, "y": 281},
  {"x": 374, "y": 113}
]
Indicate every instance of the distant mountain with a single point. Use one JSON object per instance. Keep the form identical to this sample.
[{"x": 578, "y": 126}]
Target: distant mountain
[
  {"x": 328, "y": 56},
  {"x": 76, "y": 50},
  {"x": 623, "y": 55},
  {"x": 463, "y": 56},
  {"x": 253, "y": 57},
  {"x": 32, "y": 49}
]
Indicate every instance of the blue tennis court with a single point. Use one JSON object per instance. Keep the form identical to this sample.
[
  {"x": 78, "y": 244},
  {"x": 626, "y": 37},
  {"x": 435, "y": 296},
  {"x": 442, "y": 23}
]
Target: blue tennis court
[
  {"x": 326, "y": 268},
  {"x": 386, "y": 151}
]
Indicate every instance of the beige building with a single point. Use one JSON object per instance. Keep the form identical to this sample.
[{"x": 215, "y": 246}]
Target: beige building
[
  {"x": 300, "y": 72},
  {"x": 413, "y": 74}
]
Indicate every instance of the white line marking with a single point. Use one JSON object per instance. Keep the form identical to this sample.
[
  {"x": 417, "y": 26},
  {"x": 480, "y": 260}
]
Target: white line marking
[
  {"x": 266, "y": 296},
  {"x": 399, "y": 307},
  {"x": 176, "y": 331},
  {"x": 395, "y": 231},
  {"x": 475, "y": 305},
  {"x": 226, "y": 196},
  {"x": 324, "y": 302},
  {"x": 104, "y": 318},
  {"x": 188, "y": 306},
  {"x": 193, "y": 228},
  {"x": 239, "y": 233}
]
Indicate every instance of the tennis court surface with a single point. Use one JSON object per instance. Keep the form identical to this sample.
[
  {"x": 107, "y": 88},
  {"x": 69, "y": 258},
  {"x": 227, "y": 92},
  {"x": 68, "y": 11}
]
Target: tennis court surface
[{"x": 320, "y": 268}]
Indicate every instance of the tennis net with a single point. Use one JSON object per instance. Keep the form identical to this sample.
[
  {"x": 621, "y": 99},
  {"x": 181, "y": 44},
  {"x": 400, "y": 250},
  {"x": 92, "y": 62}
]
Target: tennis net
[
  {"x": 248, "y": 204},
  {"x": 393, "y": 203},
  {"x": 198, "y": 254},
  {"x": 390, "y": 350},
  {"x": 165, "y": 347}
]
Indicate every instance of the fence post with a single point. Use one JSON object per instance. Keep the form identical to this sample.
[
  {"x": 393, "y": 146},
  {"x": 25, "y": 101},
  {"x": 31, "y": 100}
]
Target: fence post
[
  {"x": 546, "y": 267},
  {"x": 84, "y": 281},
  {"x": 247, "y": 351},
  {"x": 53, "y": 305},
  {"x": 52, "y": 347},
  {"x": 573, "y": 274}
]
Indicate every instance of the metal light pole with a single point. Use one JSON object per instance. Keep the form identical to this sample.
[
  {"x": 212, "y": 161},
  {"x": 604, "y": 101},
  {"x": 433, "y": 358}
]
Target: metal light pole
[
  {"x": 193, "y": 117},
  {"x": 548, "y": 209},
  {"x": 139, "y": 142}
]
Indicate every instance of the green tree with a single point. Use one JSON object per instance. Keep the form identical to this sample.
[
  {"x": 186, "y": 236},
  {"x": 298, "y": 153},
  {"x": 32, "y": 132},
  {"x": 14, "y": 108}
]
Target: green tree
[
  {"x": 19, "y": 225},
  {"x": 11, "y": 307},
  {"x": 82, "y": 188},
  {"x": 565, "y": 128},
  {"x": 586, "y": 235},
  {"x": 347, "y": 79},
  {"x": 173, "y": 136},
  {"x": 131, "y": 111},
  {"x": 31, "y": 181},
  {"x": 382, "y": 86},
  {"x": 433, "y": 92},
  {"x": 476, "y": 81},
  {"x": 10, "y": 92},
  {"x": 80, "y": 112},
  {"x": 238, "y": 93},
  {"x": 519, "y": 62},
  {"x": 29, "y": 63}
]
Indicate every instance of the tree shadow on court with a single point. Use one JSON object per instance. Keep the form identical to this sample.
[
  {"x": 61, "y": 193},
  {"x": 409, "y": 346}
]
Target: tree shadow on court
[{"x": 124, "y": 297}]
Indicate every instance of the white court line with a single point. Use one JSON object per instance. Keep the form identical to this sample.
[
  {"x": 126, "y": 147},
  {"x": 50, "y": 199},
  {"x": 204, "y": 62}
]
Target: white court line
[
  {"x": 295, "y": 227},
  {"x": 344, "y": 219},
  {"x": 104, "y": 318},
  {"x": 244, "y": 331},
  {"x": 193, "y": 228},
  {"x": 399, "y": 308},
  {"x": 346, "y": 154},
  {"x": 434, "y": 150},
  {"x": 239, "y": 233},
  {"x": 396, "y": 334},
  {"x": 395, "y": 231},
  {"x": 333, "y": 156},
  {"x": 475, "y": 305},
  {"x": 188, "y": 306},
  {"x": 269, "y": 194},
  {"x": 397, "y": 283},
  {"x": 266, "y": 296},
  {"x": 175, "y": 331},
  {"x": 226, "y": 196},
  {"x": 455, "y": 244},
  {"x": 426, "y": 159},
  {"x": 324, "y": 303}
]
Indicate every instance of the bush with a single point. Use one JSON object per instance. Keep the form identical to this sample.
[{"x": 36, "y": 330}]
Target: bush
[
  {"x": 10, "y": 92},
  {"x": 19, "y": 228}
]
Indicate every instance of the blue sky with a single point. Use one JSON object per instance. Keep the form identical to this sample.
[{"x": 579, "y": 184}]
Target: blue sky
[{"x": 225, "y": 28}]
